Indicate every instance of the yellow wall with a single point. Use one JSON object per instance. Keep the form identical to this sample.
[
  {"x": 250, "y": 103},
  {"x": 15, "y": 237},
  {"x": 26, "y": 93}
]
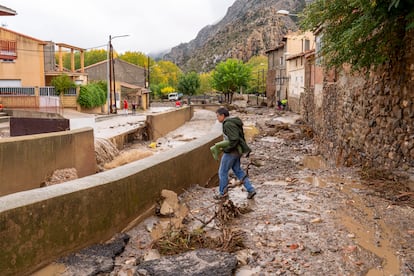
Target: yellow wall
[{"x": 29, "y": 65}]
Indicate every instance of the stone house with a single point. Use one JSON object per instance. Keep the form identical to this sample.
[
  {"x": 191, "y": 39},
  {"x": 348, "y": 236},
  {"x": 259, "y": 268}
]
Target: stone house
[
  {"x": 296, "y": 75},
  {"x": 129, "y": 80},
  {"x": 278, "y": 80}
]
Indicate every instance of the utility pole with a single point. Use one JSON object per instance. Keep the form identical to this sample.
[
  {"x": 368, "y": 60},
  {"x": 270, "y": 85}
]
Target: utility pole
[
  {"x": 108, "y": 73},
  {"x": 111, "y": 74},
  {"x": 148, "y": 75},
  {"x": 114, "y": 110}
]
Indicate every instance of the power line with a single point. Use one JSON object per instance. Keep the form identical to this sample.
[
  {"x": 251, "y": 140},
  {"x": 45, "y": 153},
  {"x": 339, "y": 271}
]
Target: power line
[{"x": 54, "y": 51}]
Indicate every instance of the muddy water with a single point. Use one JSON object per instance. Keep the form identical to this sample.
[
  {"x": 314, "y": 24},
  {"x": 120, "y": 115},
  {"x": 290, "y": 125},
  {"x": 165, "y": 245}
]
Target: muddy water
[
  {"x": 373, "y": 237},
  {"x": 250, "y": 131},
  {"x": 51, "y": 270}
]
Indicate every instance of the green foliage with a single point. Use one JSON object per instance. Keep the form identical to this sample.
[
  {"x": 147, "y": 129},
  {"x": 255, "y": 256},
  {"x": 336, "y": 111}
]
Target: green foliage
[
  {"x": 165, "y": 72},
  {"x": 205, "y": 83},
  {"x": 189, "y": 83},
  {"x": 62, "y": 83},
  {"x": 91, "y": 57},
  {"x": 92, "y": 95},
  {"x": 363, "y": 33},
  {"x": 136, "y": 58},
  {"x": 95, "y": 56},
  {"x": 230, "y": 75},
  {"x": 257, "y": 83},
  {"x": 157, "y": 90},
  {"x": 167, "y": 90}
]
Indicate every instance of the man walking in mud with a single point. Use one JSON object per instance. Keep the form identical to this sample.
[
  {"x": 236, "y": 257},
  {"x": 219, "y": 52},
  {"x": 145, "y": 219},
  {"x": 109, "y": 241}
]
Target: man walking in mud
[{"x": 234, "y": 134}]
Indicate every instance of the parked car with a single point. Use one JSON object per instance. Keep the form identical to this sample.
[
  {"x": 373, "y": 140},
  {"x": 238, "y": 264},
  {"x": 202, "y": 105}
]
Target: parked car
[{"x": 174, "y": 96}]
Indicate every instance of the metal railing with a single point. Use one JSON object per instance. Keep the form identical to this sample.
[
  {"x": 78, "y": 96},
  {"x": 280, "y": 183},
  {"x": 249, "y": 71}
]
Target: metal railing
[
  {"x": 50, "y": 91},
  {"x": 46, "y": 91},
  {"x": 17, "y": 91}
]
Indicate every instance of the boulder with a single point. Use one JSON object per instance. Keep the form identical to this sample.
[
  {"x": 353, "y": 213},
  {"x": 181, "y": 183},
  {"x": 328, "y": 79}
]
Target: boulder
[{"x": 198, "y": 262}]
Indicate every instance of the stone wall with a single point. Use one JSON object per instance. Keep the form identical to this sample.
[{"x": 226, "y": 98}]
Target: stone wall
[{"x": 369, "y": 120}]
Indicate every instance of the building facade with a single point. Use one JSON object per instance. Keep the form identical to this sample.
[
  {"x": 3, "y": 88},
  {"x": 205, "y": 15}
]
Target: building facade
[
  {"x": 278, "y": 78},
  {"x": 129, "y": 80}
]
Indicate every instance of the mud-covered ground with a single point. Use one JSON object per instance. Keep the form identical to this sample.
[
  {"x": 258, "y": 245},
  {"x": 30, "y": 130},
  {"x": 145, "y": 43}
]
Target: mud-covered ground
[{"x": 307, "y": 218}]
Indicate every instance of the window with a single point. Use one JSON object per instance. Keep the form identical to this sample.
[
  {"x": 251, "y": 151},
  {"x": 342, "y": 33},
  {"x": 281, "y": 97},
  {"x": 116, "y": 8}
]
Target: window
[
  {"x": 8, "y": 50},
  {"x": 307, "y": 44},
  {"x": 319, "y": 44}
]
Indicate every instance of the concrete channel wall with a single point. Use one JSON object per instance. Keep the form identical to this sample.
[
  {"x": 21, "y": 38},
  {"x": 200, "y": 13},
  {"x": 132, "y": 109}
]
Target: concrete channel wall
[
  {"x": 160, "y": 124},
  {"x": 27, "y": 161},
  {"x": 41, "y": 225}
]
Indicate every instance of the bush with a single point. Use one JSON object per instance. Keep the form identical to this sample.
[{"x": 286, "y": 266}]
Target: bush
[{"x": 92, "y": 95}]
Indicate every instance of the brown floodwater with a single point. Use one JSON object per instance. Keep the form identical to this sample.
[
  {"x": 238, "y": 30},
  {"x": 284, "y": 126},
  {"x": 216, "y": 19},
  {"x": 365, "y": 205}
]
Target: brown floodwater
[
  {"x": 51, "y": 270},
  {"x": 374, "y": 238}
]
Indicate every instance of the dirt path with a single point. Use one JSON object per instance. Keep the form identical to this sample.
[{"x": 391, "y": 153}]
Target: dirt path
[{"x": 307, "y": 218}]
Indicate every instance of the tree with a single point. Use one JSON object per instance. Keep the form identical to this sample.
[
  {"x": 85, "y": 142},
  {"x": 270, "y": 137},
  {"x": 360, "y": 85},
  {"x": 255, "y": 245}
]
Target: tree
[
  {"x": 205, "y": 83},
  {"x": 169, "y": 71},
  {"x": 92, "y": 95},
  {"x": 362, "y": 33},
  {"x": 229, "y": 76},
  {"x": 257, "y": 83},
  {"x": 163, "y": 74},
  {"x": 166, "y": 90},
  {"x": 91, "y": 57},
  {"x": 136, "y": 58},
  {"x": 62, "y": 83},
  {"x": 189, "y": 83},
  {"x": 95, "y": 56}
]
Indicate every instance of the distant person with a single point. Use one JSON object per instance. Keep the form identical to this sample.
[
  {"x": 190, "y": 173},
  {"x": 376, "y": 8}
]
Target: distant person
[
  {"x": 134, "y": 108},
  {"x": 284, "y": 103},
  {"x": 279, "y": 105},
  {"x": 233, "y": 132},
  {"x": 126, "y": 106},
  {"x": 177, "y": 103}
]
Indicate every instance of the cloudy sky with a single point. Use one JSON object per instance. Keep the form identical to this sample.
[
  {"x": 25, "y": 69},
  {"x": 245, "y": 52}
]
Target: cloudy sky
[{"x": 152, "y": 25}]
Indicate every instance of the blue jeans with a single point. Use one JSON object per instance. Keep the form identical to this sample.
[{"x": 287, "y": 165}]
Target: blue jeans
[{"x": 231, "y": 161}]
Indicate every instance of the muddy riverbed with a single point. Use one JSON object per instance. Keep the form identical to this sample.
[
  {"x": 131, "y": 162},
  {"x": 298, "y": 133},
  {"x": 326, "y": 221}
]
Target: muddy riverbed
[{"x": 308, "y": 217}]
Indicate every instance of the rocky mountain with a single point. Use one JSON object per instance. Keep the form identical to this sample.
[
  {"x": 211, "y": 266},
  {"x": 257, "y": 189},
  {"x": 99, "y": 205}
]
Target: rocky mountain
[{"x": 249, "y": 28}]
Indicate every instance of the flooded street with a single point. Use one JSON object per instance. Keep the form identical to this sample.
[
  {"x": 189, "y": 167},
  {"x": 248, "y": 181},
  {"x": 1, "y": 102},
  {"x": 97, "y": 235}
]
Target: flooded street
[{"x": 308, "y": 217}]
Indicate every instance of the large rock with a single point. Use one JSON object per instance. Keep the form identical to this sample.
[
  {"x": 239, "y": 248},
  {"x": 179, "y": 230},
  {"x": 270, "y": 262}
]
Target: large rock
[
  {"x": 96, "y": 259},
  {"x": 198, "y": 262}
]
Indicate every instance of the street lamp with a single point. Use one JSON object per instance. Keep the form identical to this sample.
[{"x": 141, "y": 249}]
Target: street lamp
[
  {"x": 110, "y": 71},
  {"x": 286, "y": 13}
]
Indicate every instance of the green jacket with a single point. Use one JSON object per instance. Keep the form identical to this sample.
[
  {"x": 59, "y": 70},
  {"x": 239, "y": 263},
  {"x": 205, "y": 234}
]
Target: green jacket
[{"x": 233, "y": 131}]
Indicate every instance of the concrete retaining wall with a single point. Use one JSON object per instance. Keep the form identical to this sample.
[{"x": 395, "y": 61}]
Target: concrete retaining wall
[
  {"x": 27, "y": 161},
  {"x": 161, "y": 123},
  {"x": 40, "y": 225}
]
